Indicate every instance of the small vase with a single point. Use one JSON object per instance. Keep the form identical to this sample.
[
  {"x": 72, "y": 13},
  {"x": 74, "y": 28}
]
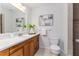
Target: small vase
[{"x": 31, "y": 31}]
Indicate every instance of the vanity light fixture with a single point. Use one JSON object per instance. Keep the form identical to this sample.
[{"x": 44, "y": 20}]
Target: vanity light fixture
[{"x": 19, "y": 6}]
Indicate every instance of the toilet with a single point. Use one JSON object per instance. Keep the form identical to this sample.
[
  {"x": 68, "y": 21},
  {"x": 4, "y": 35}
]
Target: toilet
[{"x": 54, "y": 48}]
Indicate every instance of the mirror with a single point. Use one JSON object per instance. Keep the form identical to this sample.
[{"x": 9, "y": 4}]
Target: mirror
[{"x": 12, "y": 18}]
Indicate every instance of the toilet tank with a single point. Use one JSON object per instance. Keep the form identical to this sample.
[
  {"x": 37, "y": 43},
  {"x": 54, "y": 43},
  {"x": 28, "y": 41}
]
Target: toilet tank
[
  {"x": 53, "y": 37},
  {"x": 54, "y": 40}
]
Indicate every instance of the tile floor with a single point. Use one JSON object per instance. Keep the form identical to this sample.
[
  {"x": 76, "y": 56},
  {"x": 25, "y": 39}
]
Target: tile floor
[{"x": 44, "y": 52}]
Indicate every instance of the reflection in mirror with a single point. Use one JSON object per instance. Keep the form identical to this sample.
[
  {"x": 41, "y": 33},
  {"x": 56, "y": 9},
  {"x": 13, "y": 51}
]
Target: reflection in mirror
[{"x": 12, "y": 19}]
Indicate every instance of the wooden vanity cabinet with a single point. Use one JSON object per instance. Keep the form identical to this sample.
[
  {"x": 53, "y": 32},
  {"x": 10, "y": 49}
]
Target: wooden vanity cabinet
[
  {"x": 26, "y": 48},
  {"x": 34, "y": 45},
  {"x": 32, "y": 48},
  {"x": 29, "y": 48},
  {"x": 4, "y": 52},
  {"x": 16, "y": 47},
  {"x": 19, "y": 52}
]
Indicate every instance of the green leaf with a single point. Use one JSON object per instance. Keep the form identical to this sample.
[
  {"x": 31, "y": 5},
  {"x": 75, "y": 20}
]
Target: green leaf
[{"x": 29, "y": 26}]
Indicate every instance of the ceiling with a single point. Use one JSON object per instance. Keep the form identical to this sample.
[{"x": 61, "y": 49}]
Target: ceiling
[
  {"x": 10, "y": 7},
  {"x": 31, "y": 5},
  {"x": 7, "y": 6},
  {"x": 28, "y": 5},
  {"x": 35, "y": 5}
]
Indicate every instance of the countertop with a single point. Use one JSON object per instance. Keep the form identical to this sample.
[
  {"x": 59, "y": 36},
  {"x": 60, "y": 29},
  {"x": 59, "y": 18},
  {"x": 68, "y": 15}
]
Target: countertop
[{"x": 9, "y": 42}]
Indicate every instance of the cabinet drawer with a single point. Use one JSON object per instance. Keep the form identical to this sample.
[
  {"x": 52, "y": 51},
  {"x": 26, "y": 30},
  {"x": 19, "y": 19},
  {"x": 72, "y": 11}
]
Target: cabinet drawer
[
  {"x": 18, "y": 53},
  {"x": 4, "y": 52},
  {"x": 16, "y": 47}
]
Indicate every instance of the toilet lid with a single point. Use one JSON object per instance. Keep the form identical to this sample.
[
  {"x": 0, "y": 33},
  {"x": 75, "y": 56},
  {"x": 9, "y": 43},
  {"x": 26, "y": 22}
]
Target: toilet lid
[{"x": 55, "y": 47}]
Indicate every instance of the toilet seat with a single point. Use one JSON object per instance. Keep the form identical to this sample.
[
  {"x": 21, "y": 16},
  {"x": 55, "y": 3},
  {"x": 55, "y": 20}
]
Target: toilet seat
[{"x": 55, "y": 47}]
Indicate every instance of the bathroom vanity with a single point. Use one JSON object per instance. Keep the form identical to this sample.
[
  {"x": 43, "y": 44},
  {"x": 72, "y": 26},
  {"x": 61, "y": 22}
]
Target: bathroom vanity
[{"x": 24, "y": 46}]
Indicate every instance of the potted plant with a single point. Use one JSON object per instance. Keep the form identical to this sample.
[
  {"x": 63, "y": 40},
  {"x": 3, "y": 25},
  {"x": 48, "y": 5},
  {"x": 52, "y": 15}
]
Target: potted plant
[{"x": 30, "y": 28}]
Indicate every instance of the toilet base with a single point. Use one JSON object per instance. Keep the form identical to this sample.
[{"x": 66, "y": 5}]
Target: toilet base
[{"x": 56, "y": 53}]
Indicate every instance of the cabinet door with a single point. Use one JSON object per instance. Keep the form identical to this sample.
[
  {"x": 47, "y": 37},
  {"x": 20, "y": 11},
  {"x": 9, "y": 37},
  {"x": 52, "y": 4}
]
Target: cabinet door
[
  {"x": 36, "y": 43},
  {"x": 4, "y": 52},
  {"x": 18, "y": 53},
  {"x": 32, "y": 50},
  {"x": 26, "y": 50}
]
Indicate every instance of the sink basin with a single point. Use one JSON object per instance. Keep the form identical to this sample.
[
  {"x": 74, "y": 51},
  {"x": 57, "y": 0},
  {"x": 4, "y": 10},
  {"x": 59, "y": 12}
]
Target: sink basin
[
  {"x": 6, "y": 36},
  {"x": 12, "y": 39},
  {"x": 2, "y": 42},
  {"x": 26, "y": 35}
]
